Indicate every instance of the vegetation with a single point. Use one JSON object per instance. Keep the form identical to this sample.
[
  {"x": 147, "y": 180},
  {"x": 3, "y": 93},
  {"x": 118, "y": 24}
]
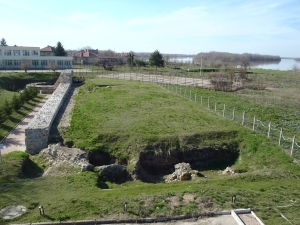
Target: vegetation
[
  {"x": 266, "y": 182},
  {"x": 14, "y": 105},
  {"x": 156, "y": 59},
  {"x": 220, "y": 58},
  {"x": 59, "y": 50},
  {"x": 126, "y": 117},
  {"x": 3, "y": 42}
]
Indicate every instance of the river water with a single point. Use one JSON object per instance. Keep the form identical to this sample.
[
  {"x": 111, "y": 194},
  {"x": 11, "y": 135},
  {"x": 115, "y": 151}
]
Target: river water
[{"x": 284, "y": 64}]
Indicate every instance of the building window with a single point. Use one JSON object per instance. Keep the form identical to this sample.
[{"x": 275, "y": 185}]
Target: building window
[
  {"x": 67, "y": 63},
  {"x": 16, "y": 52},
  {"x": 25, "y": 52},
  {"x": 34, "y": 52},
  {"x": 44, "y": 62},
  {"x": 8, "y": 62},
  {"x": 17, "y": 62},
  {"x": 7, "y": 52},
  {"x": 35, "y": 62},
  {"x": 60, "y": 62}
]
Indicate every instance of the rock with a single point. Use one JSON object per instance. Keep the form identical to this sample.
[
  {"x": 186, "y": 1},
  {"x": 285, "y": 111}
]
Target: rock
[
  {"x": 228, "y": 170},
  {"x": 113, "y": 173},
  {"x": 57, "y": 154},
  {"x": 182, "y": 172}
]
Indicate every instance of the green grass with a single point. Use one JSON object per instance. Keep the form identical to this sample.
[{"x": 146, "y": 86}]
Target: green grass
[
  {"x": 18, "y": 115},
  {"x": 122, "y": 119},
  {"x": 11, "y": 83},
  {"x": 130, "y": 115},
  {"x": 81, "y": 196}
]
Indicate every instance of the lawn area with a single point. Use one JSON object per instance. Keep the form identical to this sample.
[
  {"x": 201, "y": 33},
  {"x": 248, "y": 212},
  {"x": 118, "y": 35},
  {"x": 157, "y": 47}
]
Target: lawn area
[
  {"x": 130, "y": 115},
  {"x": 125, "y": 118}
]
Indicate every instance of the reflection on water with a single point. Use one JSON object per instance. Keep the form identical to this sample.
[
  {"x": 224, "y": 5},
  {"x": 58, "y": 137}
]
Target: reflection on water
[{"x": 284, "y": 64}]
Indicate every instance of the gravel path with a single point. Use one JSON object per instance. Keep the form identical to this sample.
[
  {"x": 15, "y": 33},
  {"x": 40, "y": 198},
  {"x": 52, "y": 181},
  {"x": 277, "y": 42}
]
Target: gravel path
[{"x": 16, "y": 139}]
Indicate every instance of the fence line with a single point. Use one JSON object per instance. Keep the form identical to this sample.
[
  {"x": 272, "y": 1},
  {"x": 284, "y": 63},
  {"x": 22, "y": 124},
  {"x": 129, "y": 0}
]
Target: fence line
[{"x": 256, "y": 124}]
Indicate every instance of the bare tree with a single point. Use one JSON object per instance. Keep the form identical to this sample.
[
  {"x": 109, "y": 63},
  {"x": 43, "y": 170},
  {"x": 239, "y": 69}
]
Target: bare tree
[
  {"x": 52, "y": 65},
  {"x": 295, "y": 68},
  {"x": 25, "y": 65}
]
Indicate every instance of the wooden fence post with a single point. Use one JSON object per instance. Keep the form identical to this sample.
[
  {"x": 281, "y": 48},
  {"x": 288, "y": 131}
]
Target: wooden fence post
[
  {"x": 201, "y": 100},
  {"x": 215, "y": 106},
  {"x": 208, "y": 103},
  {"x": 243, "y": 119},
  {"x": 233, "y": 113},
  {"x": 293, "y": 144},
  {"x": 269, "y": 130},
  {"x": 254, "y": 121},
  {"x": 224, "y": 110},
  {"x": 280, "y": 135}
]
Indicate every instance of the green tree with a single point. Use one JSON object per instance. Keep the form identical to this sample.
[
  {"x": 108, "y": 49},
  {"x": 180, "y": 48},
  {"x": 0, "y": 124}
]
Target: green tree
[
  {"x": 7, "y": 108},
  {"x": 16, "y": 102},
  {"x": 3, "y": 115},
  {"x": 59, "y": 50},
  {"x": 3, "y": 42},
  {"x": 156, "y": 60}
]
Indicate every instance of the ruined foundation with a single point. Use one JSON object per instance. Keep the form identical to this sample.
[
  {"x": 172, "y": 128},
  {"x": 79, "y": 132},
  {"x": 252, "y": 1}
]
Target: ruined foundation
[{"x": 37, "y": 132}]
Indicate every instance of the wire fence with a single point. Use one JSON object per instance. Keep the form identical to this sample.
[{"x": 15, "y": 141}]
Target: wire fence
[
  {"x": 179, "y": 86},
  {"x": 268, "y": 129}
]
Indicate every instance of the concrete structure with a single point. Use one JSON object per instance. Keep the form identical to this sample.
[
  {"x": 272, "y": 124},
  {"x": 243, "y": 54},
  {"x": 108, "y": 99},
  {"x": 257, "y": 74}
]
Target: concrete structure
[
  {"x": 12, "y": 57},
  {"x": 37, "y": 132}
]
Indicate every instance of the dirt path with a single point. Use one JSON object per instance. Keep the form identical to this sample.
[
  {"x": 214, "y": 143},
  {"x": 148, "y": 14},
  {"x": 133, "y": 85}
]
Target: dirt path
[{"x": 16, "y": 139}]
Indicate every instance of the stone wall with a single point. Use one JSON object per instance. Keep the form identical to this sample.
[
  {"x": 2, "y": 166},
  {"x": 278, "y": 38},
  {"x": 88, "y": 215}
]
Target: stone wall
[{"x": 37, "y": 132}]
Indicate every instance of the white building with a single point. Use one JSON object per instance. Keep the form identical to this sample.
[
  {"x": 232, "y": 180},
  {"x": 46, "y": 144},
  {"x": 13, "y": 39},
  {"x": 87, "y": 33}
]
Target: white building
[{"x": 11, "y": 57}]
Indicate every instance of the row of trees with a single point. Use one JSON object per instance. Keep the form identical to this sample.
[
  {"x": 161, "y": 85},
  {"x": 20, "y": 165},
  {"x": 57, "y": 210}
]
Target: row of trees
[
  {"x": 217, "y": 59},
  {"x": 156, "y": 59},
  {"x": 17, "y": 102}
]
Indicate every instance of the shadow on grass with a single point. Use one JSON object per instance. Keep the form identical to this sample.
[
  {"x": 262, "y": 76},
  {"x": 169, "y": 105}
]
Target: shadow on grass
[
  {"x": 102, "y": 185},
  {"x": 14, "y": 120},
  {"x": 31, "y": 170},
  {"x": 22, "y": 113},
  {"x": 48, "y": 217}
]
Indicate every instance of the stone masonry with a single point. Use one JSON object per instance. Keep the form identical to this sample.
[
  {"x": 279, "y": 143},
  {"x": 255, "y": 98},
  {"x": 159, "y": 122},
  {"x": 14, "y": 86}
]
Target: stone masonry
[{"x": 37, "y": 132}]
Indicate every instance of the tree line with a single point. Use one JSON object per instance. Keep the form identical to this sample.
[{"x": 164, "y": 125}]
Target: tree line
[
  {"x": 219, "y": 59},
  {"x": 16, "y": 102}
]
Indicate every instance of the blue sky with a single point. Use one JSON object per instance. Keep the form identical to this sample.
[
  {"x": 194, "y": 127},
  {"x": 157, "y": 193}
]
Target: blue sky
[{"x": 170, "y": 26}]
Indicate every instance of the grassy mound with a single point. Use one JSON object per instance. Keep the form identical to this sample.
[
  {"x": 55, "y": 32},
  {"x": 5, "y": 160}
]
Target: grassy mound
[{"x": 127, "y": 117}]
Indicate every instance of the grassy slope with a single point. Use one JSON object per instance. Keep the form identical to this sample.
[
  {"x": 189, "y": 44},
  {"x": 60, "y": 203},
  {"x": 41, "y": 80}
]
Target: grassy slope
[
  {"x": 9, "y": 84},
  {"x": 269, "y": 183},
  {"x": 14, "y": 81},
  {"x": 130, "y": 115}
]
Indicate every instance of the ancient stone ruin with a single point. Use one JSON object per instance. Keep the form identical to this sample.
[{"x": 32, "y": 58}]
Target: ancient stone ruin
[{"x": 37, "y": 132}]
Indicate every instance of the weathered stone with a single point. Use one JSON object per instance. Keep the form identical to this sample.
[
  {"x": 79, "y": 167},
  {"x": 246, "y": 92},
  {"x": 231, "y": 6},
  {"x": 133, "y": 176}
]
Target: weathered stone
[
  {"x": 228, "y": 170},
  {"x": 113, "y": 173},
  {"x": 182, "y": 172},
  {"x": 76, "y": 157},
  {"x": 37, "y": 132}
]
